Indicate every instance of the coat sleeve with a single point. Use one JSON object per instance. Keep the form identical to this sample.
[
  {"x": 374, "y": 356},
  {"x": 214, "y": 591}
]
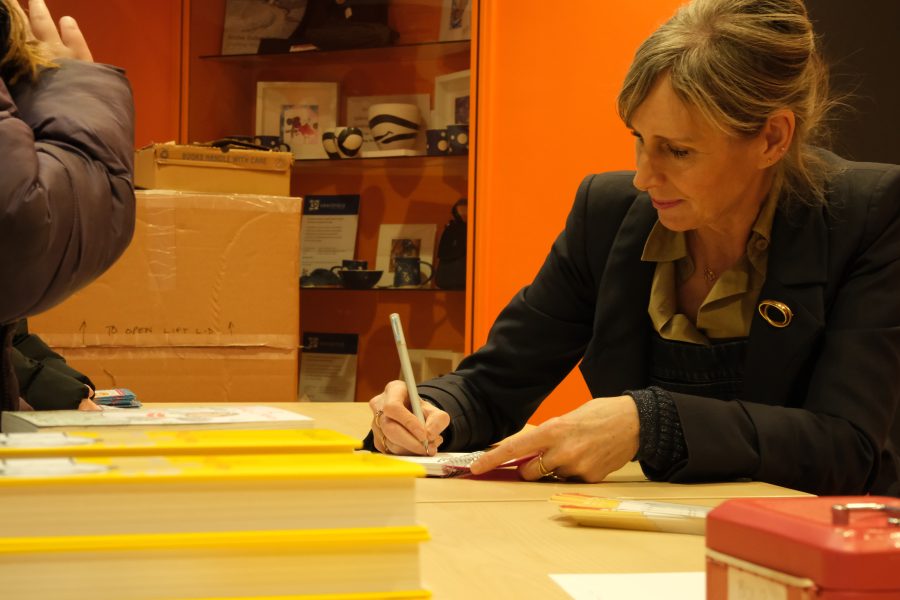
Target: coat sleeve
[
  {"x": 542, "y": 333},
  {"x": 66, "y": 191},
  {"x": 829, "y": 438}
]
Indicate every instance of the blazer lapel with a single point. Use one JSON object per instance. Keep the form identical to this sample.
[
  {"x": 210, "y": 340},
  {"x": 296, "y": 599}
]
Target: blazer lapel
[
  {"x": 616, "y": 358},
  {"x": 796, "y": 276}
]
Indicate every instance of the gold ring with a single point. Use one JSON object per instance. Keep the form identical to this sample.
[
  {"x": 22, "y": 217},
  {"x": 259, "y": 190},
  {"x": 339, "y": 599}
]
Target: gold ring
[
  {"x": 543, "y": 469},
  {"x": 782, "y": 313},
  {"x": 378, "y": 414}
]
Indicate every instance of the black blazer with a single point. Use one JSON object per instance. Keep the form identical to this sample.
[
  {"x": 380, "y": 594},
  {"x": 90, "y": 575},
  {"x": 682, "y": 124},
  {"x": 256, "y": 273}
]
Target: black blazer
[{"x": 819, "y": 396}]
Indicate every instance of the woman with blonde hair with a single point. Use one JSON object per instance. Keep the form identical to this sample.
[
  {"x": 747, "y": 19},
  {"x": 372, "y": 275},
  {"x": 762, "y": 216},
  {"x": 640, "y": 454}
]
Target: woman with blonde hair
[
  {"x": 734, "y": 302},
  {"x": 66, "y": 191}
]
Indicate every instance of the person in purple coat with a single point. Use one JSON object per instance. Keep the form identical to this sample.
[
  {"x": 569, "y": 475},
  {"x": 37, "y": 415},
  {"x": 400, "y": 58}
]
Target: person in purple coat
[{"x": 66, "y": 176}]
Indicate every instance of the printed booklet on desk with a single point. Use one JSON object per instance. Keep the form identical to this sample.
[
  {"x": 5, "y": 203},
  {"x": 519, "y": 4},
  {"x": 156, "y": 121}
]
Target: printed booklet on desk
[
  {"x": 185, "y": 417},
  {"x": 645, "y": 515}
]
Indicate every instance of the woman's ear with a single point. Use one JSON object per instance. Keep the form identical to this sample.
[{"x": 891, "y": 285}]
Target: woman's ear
[{"x": 776, "y": 136}]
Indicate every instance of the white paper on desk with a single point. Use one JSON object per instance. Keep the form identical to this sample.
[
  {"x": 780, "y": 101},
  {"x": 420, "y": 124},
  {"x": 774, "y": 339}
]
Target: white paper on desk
[{"x": 634, "y": 586}]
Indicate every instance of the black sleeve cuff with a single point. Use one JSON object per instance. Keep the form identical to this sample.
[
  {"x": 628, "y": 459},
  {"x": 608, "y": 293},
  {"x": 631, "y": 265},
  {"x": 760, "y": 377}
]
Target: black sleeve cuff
[{"x": 662, "y": 442}]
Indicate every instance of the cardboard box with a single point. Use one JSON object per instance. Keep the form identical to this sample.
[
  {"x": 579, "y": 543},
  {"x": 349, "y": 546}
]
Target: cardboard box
[
  {"x": 182, "y": 374},
  {"x": 829, "y": 548},
  {"x": 203, "y": 305},
  {"x": 207, "y": 169}
]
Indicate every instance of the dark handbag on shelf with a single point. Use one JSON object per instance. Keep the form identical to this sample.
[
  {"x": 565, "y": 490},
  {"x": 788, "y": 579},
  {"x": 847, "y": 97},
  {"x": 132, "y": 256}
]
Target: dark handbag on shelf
[
  {"x": 338, "y": 25},
  {"x": 450, "y": 273}
]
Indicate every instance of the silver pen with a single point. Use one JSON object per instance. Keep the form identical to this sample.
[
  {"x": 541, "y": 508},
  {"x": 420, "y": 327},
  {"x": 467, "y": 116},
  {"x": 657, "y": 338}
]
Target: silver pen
[{"x": 406, "y": 368}]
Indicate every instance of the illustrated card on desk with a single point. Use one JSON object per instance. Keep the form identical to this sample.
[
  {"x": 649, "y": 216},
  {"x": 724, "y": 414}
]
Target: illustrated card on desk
[
  {"x": 454, "y": 464},
  {"x": 186, "y": 417},
  {"x": 328, "y": 366},
  {"x": 119, "y": 397},
  {"x": 327, "y": 232}
]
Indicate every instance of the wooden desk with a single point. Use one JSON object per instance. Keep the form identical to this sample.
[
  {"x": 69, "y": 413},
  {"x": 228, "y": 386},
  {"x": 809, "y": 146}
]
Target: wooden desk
[
  {"x": 508, "y": 549},
  {"x": 499, "y": 537}
]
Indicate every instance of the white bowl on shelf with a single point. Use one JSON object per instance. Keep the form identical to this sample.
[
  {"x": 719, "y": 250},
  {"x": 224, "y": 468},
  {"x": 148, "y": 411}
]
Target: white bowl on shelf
[{"x": 394, "y": 125}]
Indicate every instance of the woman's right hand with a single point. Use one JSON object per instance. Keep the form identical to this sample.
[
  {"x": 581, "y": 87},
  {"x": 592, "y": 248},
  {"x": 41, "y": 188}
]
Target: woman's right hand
[
  {"x": 397, "y": 430},
  {"x": 66, "y": 42}
]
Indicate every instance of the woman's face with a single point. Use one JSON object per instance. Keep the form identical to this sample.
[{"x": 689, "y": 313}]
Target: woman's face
[{"x": 697, "y": 176}]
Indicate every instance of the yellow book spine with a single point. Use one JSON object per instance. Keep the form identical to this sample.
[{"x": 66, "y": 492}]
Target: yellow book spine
[
  {"x": 83, "y": 443},
  {"x": 228, "y": 468},
  {"x": 401, "y": 595},
  {"x": 244, "y": 541}
]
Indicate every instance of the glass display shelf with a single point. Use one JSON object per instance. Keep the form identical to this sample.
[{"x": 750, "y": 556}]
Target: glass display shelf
[
  {"x": 418, "y": 161},
  {"x": 389, "y": 289},
  {"x": 424, "y": 50}
]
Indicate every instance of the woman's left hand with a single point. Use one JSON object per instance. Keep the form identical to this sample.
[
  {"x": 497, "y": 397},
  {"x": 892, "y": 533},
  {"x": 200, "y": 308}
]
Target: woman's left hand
[{"x": 588, "y": 443}]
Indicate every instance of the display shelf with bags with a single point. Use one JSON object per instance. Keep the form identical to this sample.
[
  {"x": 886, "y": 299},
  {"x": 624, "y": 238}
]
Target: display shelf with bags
[{"x": 422, "y": 45}]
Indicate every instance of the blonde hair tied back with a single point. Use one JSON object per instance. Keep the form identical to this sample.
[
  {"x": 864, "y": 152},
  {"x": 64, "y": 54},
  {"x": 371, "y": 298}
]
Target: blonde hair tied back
[
  {"x": 23, "y": 56},
  {"x": 737, "y": 62}
]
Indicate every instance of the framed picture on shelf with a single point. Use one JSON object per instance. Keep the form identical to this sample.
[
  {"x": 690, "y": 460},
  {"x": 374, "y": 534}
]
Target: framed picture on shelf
[
  {"x": 358, "y": 116},
  {"x": 456, "y": 20},
  {"x": 403, "y": 239},
  {"x": 298, "y": 112},
  {"x": 451, "y": 99}
]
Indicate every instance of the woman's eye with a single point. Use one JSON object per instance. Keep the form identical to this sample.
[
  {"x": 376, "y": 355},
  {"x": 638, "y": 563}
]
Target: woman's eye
[{"x": 677, "y": 152}]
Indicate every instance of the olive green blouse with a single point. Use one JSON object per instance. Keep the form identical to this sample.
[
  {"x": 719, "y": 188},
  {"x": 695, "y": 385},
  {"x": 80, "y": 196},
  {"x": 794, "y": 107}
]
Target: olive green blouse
[{"x": 728, "y": 308}]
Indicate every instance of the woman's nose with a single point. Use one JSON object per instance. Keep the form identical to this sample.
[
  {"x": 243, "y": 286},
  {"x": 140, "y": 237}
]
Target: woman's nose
[{"x": 646, "y": 175}]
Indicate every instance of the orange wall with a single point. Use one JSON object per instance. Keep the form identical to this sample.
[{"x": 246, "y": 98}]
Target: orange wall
[
  {"x": 144, "y": 38},
  {"x": 547, "y": 81}
]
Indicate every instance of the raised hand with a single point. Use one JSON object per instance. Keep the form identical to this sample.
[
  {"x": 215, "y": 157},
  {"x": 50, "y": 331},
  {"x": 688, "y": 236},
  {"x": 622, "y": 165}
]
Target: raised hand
[{"x": 65, "y": 42}]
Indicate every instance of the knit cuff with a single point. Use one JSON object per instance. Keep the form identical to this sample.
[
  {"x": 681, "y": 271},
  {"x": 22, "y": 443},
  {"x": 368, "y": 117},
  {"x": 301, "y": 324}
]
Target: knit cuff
[{"x": 662, "y": 442}]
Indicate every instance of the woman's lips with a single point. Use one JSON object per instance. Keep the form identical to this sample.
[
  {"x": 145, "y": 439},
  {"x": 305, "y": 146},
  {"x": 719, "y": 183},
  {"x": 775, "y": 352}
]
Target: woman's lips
[{"x": 664, "y": 204}]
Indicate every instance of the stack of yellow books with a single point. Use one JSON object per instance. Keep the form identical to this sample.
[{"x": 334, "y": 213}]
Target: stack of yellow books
[{"x": 140, "y": 515}]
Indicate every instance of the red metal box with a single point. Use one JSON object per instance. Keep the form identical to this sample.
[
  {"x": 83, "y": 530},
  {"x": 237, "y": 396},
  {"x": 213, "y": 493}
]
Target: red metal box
[{"x": 829, "y": 548}]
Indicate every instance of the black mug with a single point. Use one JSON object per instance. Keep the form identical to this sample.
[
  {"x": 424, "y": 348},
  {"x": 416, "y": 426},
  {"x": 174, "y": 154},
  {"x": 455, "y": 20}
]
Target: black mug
[{"x": 408, "y": 271}]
